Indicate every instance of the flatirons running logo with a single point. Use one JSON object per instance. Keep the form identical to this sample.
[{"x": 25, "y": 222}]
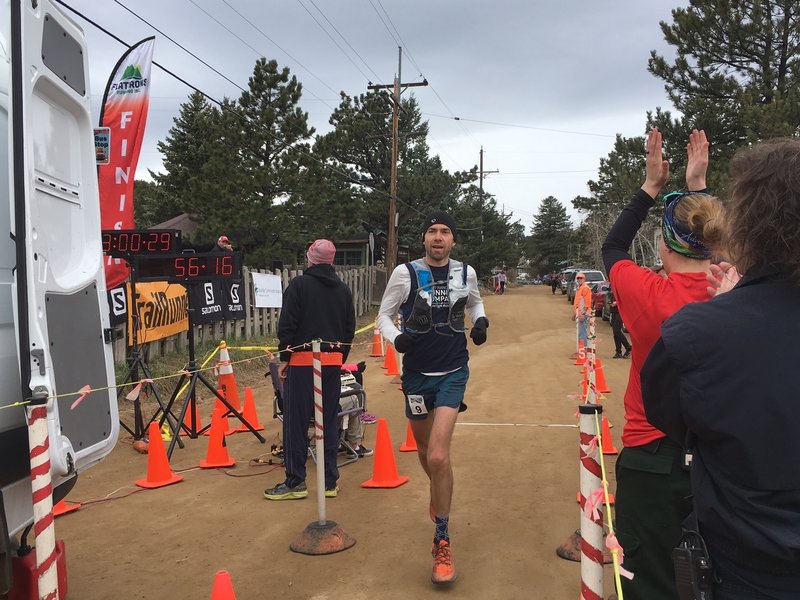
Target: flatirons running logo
[{"x": 131, "y": 81}]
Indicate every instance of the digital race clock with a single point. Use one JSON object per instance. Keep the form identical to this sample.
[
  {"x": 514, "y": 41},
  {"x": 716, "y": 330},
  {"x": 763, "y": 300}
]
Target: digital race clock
[
  {"x": 189, "y": 267},
  {"x": 123, "y": 243}
]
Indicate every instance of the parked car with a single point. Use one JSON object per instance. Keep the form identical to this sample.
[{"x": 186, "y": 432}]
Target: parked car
[
  {"x": 591, "y": 276},
  {"x": 567, "y": 275},
  {"x": 600, "y": 289}
]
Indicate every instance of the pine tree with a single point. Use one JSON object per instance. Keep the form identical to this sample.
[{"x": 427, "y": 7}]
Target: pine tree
[{"x": 548, "y": 247}]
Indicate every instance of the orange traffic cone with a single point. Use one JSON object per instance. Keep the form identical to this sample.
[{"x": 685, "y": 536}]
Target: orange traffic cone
[
  {"x": 187, "y": 420},
  {"x": 63, "y": 507},
  {"x": 223, "y": 587},
  {"x": 159, "y": 473},
  {"x": 217, "y": 455},
  {"x": 377, "y": 347},
  {"x": 225, "y": 379},
  {"x": 606, "y": 441},
  {"x": 250, "y": 415},
  {"x": 219, "y": 406},
  {"x": 581, "y": 358},
  {"x": 410, "y": 445},
  {"x": 391, "y": 361},
  {"x": 600, "y": 377},
  {"x": 384, "y": 467}
]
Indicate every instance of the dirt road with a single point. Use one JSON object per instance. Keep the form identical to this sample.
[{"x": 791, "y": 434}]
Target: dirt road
[{"x": 515, "y": 455}]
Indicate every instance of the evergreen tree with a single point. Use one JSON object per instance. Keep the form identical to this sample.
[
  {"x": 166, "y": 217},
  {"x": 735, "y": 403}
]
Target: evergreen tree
[
  {"x": 185, "y": 151},
  {"x": 735, "y": 73},
  {"x": 151, "y": 205},
  {"x": 548, "y": 247}
]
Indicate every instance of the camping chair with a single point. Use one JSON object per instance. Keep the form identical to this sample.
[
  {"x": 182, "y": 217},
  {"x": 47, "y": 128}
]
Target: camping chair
[{"x": 349, "y": 388}]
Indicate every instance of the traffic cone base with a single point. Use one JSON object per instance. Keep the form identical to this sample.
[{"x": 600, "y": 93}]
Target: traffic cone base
[
  {"x": 250, "y": 415},
  {"x": 322, "y": 538},
  {"x": 390, "y": 364},
  {"x": 223, "y": 587},
  {"x": 63, "y": 507},
  {"x": 571, "y": 549},
  {"x": 217, "y": 455},
  {"x": 410, "y": 445},
  {"x": 384, "y": 467},
  {"x": 159, "y": 473}
]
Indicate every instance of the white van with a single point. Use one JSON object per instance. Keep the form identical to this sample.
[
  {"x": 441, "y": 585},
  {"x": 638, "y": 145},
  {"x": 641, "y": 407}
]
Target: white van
[{"x": 53, "y": 308}]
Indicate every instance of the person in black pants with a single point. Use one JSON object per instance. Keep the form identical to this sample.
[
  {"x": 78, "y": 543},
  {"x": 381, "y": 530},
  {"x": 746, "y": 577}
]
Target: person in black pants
[
  {"x": 620, "y": 340},
  {"x": 316, "y": 305}
]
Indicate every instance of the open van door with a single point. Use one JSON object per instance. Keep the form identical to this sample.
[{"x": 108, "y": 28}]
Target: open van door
[{"x": 53, "y": 308}]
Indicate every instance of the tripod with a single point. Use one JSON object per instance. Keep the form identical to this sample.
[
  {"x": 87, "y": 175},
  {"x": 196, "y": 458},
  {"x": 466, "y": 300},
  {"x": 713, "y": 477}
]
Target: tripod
[
  {"x": 190, "y": 400},
  {"x": 135, "y": 361}
]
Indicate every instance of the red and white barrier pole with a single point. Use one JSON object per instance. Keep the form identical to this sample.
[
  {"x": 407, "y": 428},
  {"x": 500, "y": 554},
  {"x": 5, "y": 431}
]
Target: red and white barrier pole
[
  {"x": 591, "y": 502},
  {"x": 319, "y": 431},
  {"x": 42, "y": 488},
  {"x": 591, "y": 373}
]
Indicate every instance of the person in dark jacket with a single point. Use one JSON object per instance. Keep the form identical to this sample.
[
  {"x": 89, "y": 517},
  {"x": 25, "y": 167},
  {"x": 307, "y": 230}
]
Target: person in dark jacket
[
  {"x": 316, "y": 305},
  {"x": 725, "y": 371}
]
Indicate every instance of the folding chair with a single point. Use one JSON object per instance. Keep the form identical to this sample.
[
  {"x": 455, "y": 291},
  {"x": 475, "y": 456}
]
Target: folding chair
[{"x": 349, "y": 389}]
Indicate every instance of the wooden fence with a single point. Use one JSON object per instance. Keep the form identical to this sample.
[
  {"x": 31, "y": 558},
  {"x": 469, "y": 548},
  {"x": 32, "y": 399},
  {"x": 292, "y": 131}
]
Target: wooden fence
[{"x": 366, "y": 283}]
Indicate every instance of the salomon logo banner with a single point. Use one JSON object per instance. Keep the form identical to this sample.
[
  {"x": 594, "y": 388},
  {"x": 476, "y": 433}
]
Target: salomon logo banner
[
  {"x": 207, "y": 300},
  {"x": 233, "y": 299}
]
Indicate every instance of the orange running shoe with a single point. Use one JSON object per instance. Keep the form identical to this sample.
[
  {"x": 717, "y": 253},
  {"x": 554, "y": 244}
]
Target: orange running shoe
[{"x": 443, "y": 569}]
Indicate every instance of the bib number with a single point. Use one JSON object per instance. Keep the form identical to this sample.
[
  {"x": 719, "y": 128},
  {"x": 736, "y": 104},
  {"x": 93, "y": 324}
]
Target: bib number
[{"x": 416, "y": 403}]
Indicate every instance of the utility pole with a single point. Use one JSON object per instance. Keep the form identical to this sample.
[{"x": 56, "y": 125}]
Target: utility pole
[
  {"x": 391, "y": 238},
  {"x": 480, "y": 180}
]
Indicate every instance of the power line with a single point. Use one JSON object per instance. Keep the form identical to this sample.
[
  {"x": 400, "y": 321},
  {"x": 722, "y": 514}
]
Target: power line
[
  {"x": 226, "y": 28},
  {"x": 407, "y": 52},
  {"x": 143, "y": 20},
  {"x": 344, "y": 39},
  {"x": 454, "y": 118}
]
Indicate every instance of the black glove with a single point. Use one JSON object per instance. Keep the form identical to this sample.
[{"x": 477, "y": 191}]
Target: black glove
[
  {"x": 420, "y": 319},
  {"x": 478, "y": 331},
  {"x": 405, "y": 341},
  {"x": 362, "y": 366}
]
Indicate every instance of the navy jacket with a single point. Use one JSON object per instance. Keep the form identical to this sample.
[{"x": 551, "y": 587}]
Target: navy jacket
[
  {"x": 735, "y": 359},
  {"x": 317, "y": 305}
]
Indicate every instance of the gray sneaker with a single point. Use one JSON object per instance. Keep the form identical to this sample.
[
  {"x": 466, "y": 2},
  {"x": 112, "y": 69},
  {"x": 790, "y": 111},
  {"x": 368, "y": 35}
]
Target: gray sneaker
[{"x": 284, "y": 492}]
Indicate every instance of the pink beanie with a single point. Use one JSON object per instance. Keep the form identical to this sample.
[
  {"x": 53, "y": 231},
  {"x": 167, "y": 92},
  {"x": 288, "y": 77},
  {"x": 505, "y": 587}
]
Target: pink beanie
[{"x": 321, "y": 252}]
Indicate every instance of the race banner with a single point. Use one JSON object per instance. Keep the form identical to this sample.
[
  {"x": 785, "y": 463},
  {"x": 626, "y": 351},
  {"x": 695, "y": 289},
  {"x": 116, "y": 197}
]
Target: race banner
[
  {"x": 124, "y": 113},
  {"x": 233, "y": 299},
  {"x": 118, "y": 305},
  {"x": 267, "y": 290},
  {"x": 207, "y": 301},
  {"x": 163, "y": 310}
]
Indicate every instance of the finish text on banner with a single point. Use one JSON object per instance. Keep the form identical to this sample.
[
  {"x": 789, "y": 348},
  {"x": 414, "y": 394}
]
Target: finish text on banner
[
  {"x": 162, "y": 308},
  {"x": 124, "y": 113}
]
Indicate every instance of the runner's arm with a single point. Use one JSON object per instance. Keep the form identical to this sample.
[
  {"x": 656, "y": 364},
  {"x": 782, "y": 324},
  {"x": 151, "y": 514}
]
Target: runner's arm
[
  {"x": 474, "y": 301},
  {"x": 396, "y": 292}
]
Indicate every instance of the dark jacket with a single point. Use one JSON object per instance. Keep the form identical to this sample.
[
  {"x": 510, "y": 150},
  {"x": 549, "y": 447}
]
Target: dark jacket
[
  {"x": 735, "y": 361},
  {"x": 317, "y": 305}
]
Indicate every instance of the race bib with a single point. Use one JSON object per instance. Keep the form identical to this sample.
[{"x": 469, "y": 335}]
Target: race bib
[{"x": 416, "y": 404}]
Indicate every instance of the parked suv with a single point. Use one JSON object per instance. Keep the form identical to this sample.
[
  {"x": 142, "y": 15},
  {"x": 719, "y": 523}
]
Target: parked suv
[
  {"x": 590, "y": 277},
  {"x": 566, "y": 276}
]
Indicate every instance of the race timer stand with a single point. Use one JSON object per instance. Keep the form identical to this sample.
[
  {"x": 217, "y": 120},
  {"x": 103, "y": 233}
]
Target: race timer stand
[
  {"x": 191, "y": 270},
  {"x": 127, "y": 244},
  {"x": 136, "y": 362}
]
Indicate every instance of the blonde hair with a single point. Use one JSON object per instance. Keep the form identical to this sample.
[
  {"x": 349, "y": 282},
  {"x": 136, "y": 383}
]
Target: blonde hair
[{"x": 704, "y": 216}]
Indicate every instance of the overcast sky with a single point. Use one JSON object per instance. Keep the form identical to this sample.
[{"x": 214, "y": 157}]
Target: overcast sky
[{"x": 542, "y": 85}]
